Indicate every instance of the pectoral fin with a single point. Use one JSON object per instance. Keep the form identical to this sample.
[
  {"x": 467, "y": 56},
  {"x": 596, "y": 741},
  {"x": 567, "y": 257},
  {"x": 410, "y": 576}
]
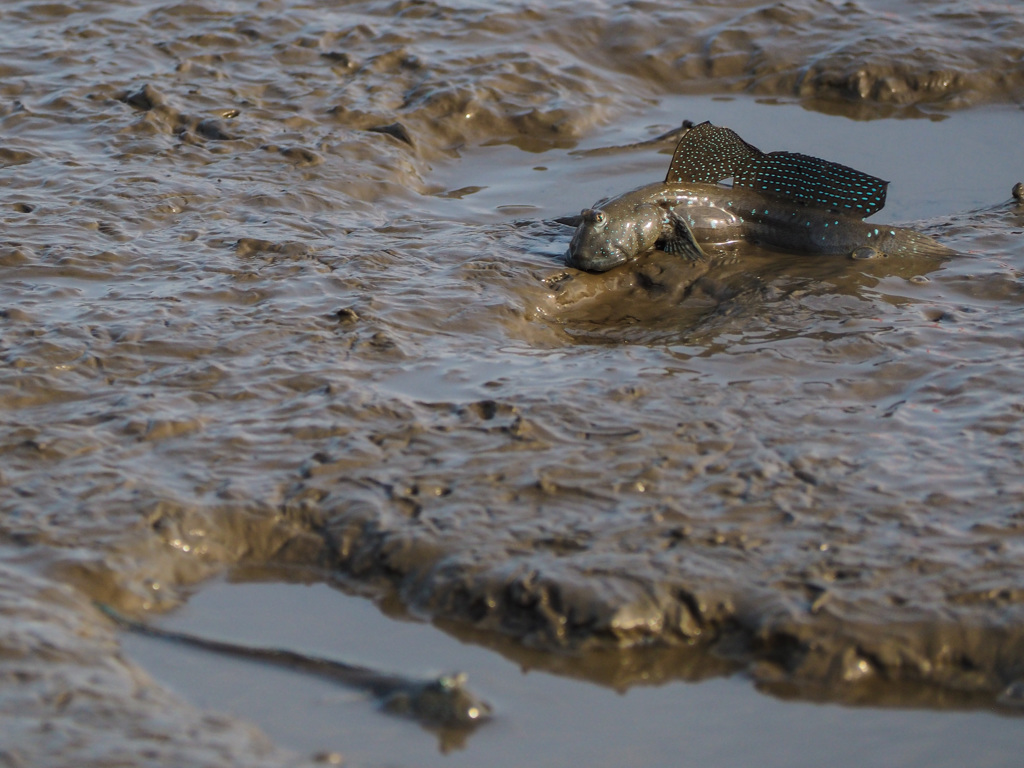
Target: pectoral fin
[{"x": 680, "y": 240}]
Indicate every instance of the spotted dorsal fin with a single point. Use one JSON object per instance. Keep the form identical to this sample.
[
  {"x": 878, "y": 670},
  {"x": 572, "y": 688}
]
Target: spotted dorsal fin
[
  {"x": 708, "y": 153},
  {"x": 815, "y": 182}
]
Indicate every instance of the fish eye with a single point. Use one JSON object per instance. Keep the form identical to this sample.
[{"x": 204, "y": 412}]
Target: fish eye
[{"x": 600, "y": 218}]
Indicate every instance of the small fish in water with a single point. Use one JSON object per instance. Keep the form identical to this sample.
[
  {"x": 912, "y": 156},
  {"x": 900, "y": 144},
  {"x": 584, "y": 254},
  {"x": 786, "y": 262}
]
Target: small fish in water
[
  {"x": 442, "y": 702},
  {"x": 782, "y": 200}
]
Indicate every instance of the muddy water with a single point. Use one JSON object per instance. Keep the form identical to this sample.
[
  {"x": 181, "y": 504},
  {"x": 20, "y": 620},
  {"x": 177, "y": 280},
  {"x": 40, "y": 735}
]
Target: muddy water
[
  {"x": 282, "y": 286},
  {"x": 550, "y": 709}
]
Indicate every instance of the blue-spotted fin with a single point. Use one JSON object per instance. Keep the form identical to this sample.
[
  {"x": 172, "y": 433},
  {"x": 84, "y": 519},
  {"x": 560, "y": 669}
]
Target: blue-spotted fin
[{"x": 783, "y": 200}]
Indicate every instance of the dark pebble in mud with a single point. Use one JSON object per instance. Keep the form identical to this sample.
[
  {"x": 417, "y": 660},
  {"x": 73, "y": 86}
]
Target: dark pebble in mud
[
  {"x": 397, "y": 130},
  {"x": 936, "y": 315},
  {"x": 212, "y": 130},
  {"x": 346, "y": 316},
  {"x": 339, "y": 59},
  {"x": 145, "y": 98},
  {"x": 149, "y": 99},
  {"x": 300, "y": 156}
]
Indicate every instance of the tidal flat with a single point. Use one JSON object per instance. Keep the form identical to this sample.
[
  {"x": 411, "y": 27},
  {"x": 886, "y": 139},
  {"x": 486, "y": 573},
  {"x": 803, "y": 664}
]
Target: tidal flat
[{"x": 287, "y": 339}]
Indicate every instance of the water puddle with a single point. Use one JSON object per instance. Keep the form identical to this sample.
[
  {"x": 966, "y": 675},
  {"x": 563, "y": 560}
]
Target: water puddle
[
  {"x": 912, "y": 154},
  {"x": 542, "y": 718}
]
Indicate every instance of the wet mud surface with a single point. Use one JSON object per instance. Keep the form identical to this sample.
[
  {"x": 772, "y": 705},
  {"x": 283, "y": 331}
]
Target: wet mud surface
[{"x": 282, "y": 285}]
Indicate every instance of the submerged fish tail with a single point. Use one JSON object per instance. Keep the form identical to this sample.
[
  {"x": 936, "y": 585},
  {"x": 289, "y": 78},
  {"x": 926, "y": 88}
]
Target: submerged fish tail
[{"x": 902, "y": 242}]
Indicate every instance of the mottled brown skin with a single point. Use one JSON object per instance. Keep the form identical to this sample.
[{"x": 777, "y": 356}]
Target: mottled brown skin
[{"x": 680, "y": 215}]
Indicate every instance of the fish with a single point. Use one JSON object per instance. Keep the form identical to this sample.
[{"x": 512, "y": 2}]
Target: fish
[
  {"x": 442, "y": 702},
  {"x": 719, "y": 189}
]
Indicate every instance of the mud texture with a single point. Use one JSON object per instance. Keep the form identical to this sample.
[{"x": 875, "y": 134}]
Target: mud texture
[
  {"x": 67, "y": 690},
  {"x": 258, "y": 305}
]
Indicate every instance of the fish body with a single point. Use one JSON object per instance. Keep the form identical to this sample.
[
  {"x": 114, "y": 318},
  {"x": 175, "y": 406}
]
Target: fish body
[
  {"x": 624, "y": 227},
  {"x": 781, "y": 200}
]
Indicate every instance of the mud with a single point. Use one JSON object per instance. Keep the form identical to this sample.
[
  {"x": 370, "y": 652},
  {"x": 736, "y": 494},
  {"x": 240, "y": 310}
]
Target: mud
[
  {"x": 282, "y": 284},
  {"x": 67, "y": 690}
]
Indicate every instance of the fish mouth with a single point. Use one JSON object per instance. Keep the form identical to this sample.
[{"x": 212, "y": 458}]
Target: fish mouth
[{"x": 590, "y": 262}]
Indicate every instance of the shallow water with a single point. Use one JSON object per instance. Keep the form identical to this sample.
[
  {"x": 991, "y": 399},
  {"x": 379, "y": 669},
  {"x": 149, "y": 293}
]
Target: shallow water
[
  {"x": 282, "y": 285},
  {"x": 548, "y": 712}
]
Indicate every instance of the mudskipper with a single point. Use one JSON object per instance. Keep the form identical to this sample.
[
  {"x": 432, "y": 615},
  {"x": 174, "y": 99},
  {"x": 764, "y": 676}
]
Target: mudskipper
[
  {"x": 442, "y": 702},
  {"x": 720, "y": 189}
]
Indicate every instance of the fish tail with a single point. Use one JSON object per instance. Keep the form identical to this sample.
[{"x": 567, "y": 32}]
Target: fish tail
[{"x": 908, "y": 243}]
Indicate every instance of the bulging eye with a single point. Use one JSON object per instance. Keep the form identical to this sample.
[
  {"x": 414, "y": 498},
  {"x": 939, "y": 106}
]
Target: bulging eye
[{"x": 600, "y": 218}]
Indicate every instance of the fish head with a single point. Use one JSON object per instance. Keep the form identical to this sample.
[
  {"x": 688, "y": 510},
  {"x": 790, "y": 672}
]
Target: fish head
[{"x": 606, "y": 239}]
